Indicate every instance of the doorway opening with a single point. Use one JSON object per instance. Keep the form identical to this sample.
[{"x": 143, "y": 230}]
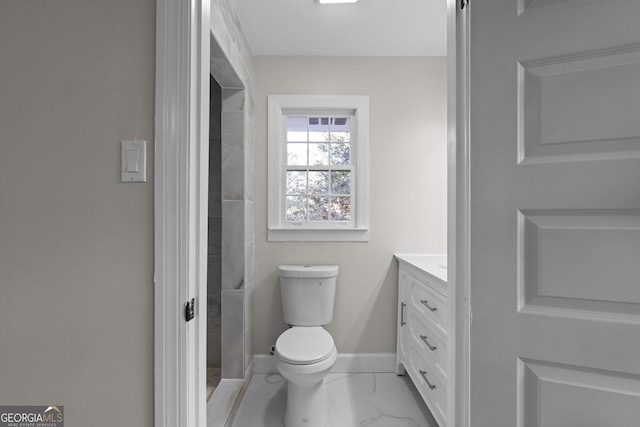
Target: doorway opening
[
  {"x": 230, "y": 241},
  {"x": 214, "y": 240}
]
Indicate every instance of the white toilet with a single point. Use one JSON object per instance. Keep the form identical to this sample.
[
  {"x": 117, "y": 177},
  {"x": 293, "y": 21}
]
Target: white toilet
[{"x": 305, "y": 353}]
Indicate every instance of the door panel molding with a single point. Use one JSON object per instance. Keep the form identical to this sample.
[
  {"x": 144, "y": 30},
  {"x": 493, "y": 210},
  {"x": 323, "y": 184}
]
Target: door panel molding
[
  {"x": 548, "y": 392},
  {"x": 563, "y": 100},
  {"x": 536, "y": 297}
]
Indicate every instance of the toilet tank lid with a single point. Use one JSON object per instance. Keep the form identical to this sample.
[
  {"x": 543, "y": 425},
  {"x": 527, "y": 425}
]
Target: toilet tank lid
[{"x": 308, "y": 270}]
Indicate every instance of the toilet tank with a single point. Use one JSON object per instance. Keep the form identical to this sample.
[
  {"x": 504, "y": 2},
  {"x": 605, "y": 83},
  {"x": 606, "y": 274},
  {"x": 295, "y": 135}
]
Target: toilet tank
[{"x": 308, "y": 293}]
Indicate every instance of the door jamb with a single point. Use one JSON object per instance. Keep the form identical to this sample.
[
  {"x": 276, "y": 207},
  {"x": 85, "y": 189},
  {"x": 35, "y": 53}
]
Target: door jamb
[
  {"x": 458, "y": 243},
  {"x": 180, "y": 179}
]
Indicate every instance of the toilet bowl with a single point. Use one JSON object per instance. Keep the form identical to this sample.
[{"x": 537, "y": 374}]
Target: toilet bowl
[{"x": 304, "y": 355}]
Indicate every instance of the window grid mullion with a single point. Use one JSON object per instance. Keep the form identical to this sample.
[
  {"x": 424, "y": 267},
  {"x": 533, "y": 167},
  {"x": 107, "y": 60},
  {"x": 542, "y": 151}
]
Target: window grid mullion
[{"x": 328, "y": 168}]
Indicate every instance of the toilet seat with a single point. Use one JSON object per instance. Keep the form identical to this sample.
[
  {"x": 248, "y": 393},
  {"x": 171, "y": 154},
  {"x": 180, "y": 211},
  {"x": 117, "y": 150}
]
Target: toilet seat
[{"x": 304, "y": 345}]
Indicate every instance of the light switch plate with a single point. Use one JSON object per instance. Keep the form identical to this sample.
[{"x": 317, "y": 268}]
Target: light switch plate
[{"x": 133, "y": 161}]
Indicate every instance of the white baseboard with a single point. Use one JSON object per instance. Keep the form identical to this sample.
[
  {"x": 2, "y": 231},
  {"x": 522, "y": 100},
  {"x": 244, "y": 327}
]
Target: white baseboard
[{"x": 346, "y": 363}]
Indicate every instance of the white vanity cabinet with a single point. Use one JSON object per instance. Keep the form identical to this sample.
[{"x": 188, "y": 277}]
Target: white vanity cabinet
[{"x": 424, "y": 348}]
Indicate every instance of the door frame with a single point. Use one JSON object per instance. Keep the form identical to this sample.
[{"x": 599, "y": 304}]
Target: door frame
[
  {"x": 180, "y": 210},
  {"x": 181, "y": 183},
  {"x": 458, "y": 175}
]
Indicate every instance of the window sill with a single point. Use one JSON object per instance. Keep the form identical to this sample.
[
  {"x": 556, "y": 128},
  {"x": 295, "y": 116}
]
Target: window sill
[{"x": 318, "y": 235}]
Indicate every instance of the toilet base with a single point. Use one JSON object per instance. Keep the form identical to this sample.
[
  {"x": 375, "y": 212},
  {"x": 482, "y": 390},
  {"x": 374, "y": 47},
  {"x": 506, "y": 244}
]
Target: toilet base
[{"x": 306, "y": 405}]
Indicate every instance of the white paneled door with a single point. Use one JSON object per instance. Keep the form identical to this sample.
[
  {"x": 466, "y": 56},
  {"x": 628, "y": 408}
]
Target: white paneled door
[{"x": 554, "y": 213}]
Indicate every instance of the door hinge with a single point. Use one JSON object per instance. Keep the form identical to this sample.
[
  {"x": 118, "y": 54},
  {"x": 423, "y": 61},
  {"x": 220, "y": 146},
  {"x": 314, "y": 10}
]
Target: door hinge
[
  {"x": 464, "y": 3},
  {"x": 189, "y": 309}
]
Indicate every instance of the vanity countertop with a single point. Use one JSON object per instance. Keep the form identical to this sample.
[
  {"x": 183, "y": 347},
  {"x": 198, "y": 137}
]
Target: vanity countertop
[{"x": 432, "y": 264}]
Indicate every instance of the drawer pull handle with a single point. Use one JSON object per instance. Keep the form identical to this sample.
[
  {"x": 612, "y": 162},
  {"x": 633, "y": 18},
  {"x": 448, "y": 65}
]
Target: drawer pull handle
[
  {"x": 402, "y": 306},
  {"x": 426, "y": 304},
  {"x": 424, "y": 375},
  {"x": 431, "y": 347}
]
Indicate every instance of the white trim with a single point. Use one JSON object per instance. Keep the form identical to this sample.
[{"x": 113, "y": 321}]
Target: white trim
[
  {"x": 318, "y": 235},
  {"x": 199, "y": 152},
  {"x": 180, "y": 180},
  {"x": 578, "y": 314},
  {"x": 458, "y": 243},
  {"x": 278, "y": 231},
  {"x": 351, "y": 363}
]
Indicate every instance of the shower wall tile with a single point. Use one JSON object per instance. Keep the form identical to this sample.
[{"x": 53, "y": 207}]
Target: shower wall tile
[
  {"x": 215, "y": 106},
  {"x": 227, "y": 32},
  {"x": 214, "y": 275},
  {"x": 233, "y": 99},
  {"x": 233, "y": 246},
  {"x": 236, "y": 156},
  {"x": 214, "y": 238},
  {"x": 249, "y": 103},
  {"x": 232, "y": 173},
  {"x": 232, "y": 334},
  {"x": 248, "y": 346},
  {"x": 215, "y": 207},
  {"x": 214, "y": 337},
  {"x": 249, "y": 221},
  {"x": 215, "y": 146},
  {"x": 232, "y": 128},
  {"x": 249, "y": 156},
  {"x": 248, "y": 302},
  {"x": 232, "y": 155},
  {"x": 249, "y": 263},
  {"x": 220, "y": 67}
]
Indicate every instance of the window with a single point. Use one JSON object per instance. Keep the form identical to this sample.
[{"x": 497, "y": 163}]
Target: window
[{"x": 318, "y": 168}]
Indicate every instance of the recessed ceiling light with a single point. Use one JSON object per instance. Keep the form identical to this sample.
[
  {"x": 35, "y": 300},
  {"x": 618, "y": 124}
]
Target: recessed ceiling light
[{"x": 336, "y": 1}]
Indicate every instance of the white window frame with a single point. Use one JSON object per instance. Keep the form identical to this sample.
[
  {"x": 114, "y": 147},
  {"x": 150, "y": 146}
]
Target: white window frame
[{"x": 280, "y": 230}]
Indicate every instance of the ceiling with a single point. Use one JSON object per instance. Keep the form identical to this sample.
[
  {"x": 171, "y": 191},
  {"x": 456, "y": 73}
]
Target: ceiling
[{"x": 365, "y": 28}]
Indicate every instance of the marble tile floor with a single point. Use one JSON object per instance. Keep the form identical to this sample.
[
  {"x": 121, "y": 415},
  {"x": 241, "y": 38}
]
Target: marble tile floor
[{"x": 363, "y": 399}]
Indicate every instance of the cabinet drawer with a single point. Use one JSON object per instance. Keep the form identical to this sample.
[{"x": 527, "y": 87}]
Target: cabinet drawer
[
  {"x": 430, "y": 386},
  {"x": 430, "y": 303},
  {"x": 431, "y": 342}
]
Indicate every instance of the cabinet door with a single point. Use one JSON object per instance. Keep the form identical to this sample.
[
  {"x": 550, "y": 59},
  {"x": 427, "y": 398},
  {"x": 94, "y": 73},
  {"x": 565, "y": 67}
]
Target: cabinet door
[
  {"x": 430, "y": 303},
  {"x": 429, "y": 384},
  {"x": 431, "y": 342}
]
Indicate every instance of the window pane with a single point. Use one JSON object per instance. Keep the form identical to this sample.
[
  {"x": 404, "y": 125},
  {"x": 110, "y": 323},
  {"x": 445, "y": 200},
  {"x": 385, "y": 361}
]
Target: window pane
[
  {"x": 340, "y": 129},
  {"x": 341, "y": 208},
  {"x": 296, "y": 182},
  {"x": 341, "y": 154},
  {"x": 341, "y": 182},
  {"x": 318, "y": 208},
  {"x": 318, "y": 154},
  {"x": 318, "y": 129},
  {"x": 296, "y": 208},
  {"x": 296, "y": 153},
  {"x": 297, "y": 129},
  {"x": 318, "y": 182}
]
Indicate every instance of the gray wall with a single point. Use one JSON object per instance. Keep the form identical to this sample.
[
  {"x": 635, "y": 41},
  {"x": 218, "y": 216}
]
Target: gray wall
[
  {"x": 408, "y": 190},
  {"x": 76, "y": 245}
]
